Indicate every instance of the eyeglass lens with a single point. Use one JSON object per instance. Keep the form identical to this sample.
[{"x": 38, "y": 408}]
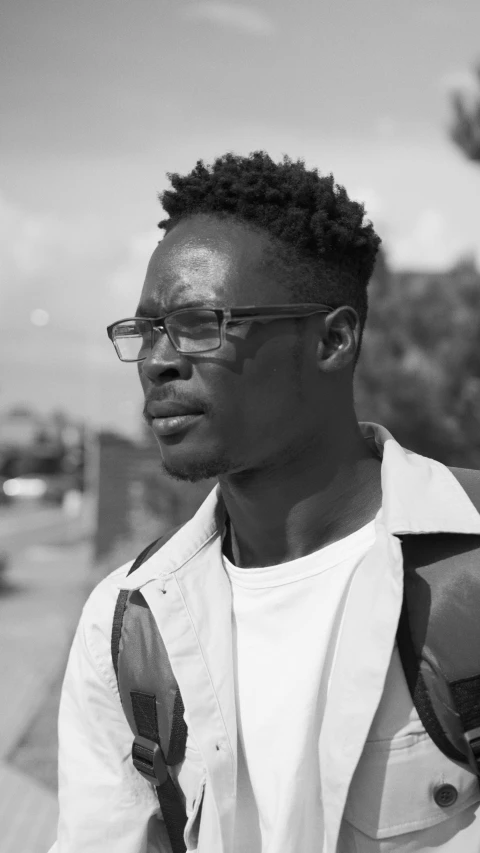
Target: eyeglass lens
[{"x": 190, "y": 331}]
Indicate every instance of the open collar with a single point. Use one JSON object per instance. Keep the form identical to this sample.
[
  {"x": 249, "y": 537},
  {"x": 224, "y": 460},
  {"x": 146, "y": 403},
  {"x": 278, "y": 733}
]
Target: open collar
[{"x": 419, "y": 495}]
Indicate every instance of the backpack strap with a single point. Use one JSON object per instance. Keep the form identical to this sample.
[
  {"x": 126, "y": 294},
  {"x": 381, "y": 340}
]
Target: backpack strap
[
  {"x": 466, "y": 691},
  {"x": 439, "y": 633},
  {"x": 122, "y": 603},
  {"x": 151, "y": 700}
]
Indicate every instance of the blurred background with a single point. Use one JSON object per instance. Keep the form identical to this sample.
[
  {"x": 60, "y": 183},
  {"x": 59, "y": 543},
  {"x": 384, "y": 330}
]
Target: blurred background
[{"x": 98, "y": 102}]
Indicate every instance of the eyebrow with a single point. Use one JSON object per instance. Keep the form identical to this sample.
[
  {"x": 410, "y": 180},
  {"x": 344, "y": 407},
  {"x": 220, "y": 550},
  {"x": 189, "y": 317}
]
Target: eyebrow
[{"x": 144, "y": 311}]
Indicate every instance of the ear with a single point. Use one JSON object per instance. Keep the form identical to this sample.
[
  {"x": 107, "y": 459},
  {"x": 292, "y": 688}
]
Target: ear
[{"x": 339, "y": 339}]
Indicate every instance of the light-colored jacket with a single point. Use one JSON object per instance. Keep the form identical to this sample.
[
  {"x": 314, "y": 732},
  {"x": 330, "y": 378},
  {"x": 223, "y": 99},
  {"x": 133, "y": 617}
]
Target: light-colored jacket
[{"x": 379, "y": 770}]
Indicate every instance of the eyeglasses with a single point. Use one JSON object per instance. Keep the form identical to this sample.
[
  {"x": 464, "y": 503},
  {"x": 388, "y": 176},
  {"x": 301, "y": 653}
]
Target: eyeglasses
[{"x": 196, "y": 330}]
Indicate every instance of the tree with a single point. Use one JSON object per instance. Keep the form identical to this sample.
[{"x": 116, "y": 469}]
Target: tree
[
  {"x": 465, "y": 130},
  {"x": 419, "y": 371}
]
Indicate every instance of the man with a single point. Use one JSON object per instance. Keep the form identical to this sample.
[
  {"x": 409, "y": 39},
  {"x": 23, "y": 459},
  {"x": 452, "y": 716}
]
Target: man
[{"x": 281, "y": 597}]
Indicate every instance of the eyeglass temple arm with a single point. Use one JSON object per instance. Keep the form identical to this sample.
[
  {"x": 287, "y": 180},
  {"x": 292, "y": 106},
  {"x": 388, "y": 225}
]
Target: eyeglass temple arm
[{"x": 231, "y": 319}]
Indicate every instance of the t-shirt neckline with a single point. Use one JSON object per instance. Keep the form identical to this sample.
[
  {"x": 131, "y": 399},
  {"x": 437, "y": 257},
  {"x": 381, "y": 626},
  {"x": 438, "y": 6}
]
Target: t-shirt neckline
[{"x": 325, "y": 558}]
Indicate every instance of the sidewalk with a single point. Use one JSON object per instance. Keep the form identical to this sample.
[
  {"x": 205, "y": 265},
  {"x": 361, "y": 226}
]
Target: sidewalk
[{"x": 41, "y": 597}]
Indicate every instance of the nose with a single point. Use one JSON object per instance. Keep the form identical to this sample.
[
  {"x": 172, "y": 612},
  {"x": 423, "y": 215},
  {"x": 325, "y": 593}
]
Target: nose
[{"x": 162, "y": 359}]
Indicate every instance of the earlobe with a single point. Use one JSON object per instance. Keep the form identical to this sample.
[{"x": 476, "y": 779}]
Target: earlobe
[{"x": 339, "y": 340}]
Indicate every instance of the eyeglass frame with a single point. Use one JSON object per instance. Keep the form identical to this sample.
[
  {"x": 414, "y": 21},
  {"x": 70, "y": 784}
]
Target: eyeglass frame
[{"x": 225, "y": 316}]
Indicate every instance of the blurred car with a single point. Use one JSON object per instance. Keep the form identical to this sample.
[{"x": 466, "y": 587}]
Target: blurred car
[{"x": 48, "y": 488}]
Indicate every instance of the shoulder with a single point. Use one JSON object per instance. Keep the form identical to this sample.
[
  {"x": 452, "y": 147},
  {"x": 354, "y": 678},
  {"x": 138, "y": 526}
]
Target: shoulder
[
  {"x": 100, "y": 604},
  {"x": 96, "y": 621},
  {"x": 94, "y": 630}
]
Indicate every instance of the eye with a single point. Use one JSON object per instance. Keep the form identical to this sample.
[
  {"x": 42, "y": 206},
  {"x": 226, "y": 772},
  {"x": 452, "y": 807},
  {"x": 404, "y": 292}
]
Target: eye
[
  {"x": 194, "y": 331},
  {"x": 131, "y": 338}
]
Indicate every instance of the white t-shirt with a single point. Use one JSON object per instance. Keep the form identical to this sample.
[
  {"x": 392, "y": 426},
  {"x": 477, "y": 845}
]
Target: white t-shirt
[{"x": 286, "y": 620}]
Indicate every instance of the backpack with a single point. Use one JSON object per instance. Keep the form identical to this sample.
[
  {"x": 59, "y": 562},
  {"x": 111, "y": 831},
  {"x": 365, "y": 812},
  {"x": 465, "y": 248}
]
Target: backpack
[{"x": 438, "y": 639}]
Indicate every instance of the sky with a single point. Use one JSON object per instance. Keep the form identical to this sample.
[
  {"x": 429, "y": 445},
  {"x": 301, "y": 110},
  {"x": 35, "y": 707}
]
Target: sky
[{"x": 99, "y": 100}]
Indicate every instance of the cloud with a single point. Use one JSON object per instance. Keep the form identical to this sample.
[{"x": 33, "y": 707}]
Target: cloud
[
  {"x": 386, "y": 126},
  {"x": 436, "y": 12},
  {"x": 429, "y": 244},
  {"x": 464, "y": 81},
  {"x": 46, "y": 261},
  {"x": 234, "y": 16},
  {"x": 370, "y": 198},
  {"x": 33, "y": 244},
  {"x": 79, "y": 271},
  {"x": 127, "y": 279},
  {"x": 59, "y": 265}
]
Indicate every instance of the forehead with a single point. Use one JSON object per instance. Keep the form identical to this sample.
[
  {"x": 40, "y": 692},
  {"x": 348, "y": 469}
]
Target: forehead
[{"x": 203, "y": 261}]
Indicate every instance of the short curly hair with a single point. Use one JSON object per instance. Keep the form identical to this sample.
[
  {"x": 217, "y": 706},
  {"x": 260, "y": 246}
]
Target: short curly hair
[{"x": 320, "y": 236}]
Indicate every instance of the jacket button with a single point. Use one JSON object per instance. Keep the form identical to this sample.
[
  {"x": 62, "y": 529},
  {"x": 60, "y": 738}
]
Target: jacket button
[{"x": 445, "y": 795}]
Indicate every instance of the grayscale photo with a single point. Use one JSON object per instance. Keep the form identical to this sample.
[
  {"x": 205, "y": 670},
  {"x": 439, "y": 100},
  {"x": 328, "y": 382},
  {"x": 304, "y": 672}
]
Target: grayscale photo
[{"x": 240, "y": 426}]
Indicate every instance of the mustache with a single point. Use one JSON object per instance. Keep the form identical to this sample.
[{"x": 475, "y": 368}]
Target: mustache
[{"x": 188, "y": 402}]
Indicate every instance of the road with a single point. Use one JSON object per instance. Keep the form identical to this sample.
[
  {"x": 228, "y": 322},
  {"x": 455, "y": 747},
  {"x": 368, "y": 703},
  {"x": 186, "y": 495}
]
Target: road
[
  {"x": 46, "y": 578},
  {"x": 25, "y": 524}
]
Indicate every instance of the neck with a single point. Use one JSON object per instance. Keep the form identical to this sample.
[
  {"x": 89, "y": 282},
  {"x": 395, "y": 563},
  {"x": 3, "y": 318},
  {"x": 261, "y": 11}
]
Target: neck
[{"x": 288, "y": 511}]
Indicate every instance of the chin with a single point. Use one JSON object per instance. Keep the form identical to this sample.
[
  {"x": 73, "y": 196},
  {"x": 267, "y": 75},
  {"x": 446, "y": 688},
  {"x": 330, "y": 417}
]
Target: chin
[{"x": 193, "y": 469}]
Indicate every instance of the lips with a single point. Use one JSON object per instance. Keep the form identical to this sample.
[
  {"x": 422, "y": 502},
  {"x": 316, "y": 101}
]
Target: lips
[
  {"x": 171, "y": 410},
  {"x": 173, "y": 425},
  {"x": 170, "y": 417}
]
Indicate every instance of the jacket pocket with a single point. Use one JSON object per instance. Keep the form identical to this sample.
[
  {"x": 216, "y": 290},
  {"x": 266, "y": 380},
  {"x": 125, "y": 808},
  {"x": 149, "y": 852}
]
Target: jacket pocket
[
  {"x": 406, "y": 785},
  {"x": 191, "y": 775},
  {"x": 192, "y": 827}
]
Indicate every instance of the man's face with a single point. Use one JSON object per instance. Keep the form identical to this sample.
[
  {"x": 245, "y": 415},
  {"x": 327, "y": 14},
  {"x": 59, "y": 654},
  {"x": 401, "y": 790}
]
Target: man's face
[{"x": 254, "y": 393}]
